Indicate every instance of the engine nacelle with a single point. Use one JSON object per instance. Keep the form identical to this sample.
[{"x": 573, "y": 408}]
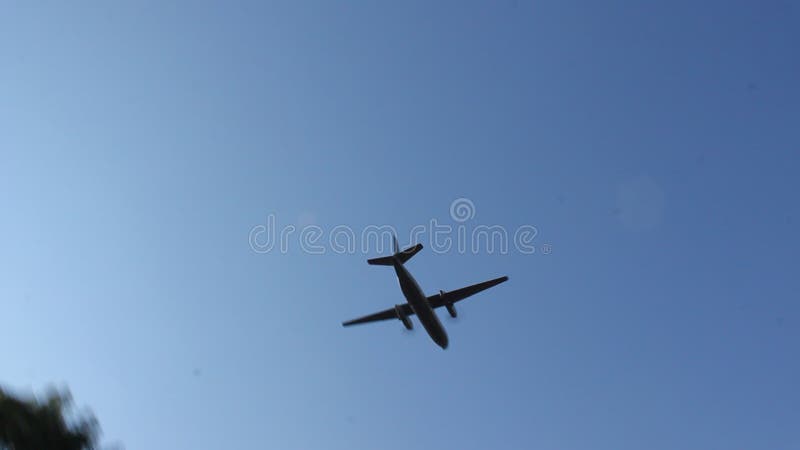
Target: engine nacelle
[
  {"x": 451, "y": 309},
  {"x": 398, "y": 311}
]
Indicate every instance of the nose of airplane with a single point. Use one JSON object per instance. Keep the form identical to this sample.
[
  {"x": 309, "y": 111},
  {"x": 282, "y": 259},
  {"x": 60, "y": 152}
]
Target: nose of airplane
[{"x": 442, "y": 341}]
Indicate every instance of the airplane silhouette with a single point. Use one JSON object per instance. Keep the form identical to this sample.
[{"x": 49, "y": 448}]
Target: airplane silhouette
[{"x": 416, "y": 301}]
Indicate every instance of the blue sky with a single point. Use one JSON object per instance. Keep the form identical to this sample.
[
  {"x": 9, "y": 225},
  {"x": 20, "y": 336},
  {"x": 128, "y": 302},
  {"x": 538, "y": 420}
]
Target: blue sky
[{"x": 653, "y": 145}]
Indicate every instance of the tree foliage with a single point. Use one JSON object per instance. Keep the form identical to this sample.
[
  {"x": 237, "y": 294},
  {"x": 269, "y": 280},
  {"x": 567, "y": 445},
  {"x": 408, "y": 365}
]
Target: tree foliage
[{"x": 49, "y": 423}]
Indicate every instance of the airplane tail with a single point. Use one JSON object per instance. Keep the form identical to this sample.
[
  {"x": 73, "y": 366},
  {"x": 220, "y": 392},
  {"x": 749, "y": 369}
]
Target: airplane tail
[{"x": 399, "y": 256}]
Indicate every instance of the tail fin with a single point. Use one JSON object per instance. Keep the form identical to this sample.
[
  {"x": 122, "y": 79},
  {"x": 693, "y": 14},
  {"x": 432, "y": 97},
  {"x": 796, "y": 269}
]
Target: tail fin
[{"x": 400, "y": 257}]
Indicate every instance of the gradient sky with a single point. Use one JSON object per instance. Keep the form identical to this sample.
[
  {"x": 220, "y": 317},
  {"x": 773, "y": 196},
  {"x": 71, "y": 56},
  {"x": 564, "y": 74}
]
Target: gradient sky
[{"x": 654, "y": 146}]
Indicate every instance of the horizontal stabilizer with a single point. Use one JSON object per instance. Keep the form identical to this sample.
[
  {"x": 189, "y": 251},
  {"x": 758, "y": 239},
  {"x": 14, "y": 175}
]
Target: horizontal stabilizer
[
  {"x": 406, "y": 254},
  {"x": 400, "y": 257},
  {"x": 383, "y": 261}
]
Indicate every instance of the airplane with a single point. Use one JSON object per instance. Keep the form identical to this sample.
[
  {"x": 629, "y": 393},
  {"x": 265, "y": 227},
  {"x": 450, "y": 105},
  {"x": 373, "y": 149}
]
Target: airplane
[{"x": 416, "y": 301}]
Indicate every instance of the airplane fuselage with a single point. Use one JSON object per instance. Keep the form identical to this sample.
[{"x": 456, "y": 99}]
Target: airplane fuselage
[{"x": 418, "y": 302}]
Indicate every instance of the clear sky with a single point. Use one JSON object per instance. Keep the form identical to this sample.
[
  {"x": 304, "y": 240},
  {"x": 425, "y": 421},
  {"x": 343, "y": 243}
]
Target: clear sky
[{"x": 654, "y": 146}]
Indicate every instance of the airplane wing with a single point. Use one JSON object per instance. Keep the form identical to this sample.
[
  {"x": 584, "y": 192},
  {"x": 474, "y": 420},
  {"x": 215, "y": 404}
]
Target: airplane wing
[
  {"x": 451, "y": 297},
  {"x": 382, "y": 315},
  {"x": 435, "y": 301}
]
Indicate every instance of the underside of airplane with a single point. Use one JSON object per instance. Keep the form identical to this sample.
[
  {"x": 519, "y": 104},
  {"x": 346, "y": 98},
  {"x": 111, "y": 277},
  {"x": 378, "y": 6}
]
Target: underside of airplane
[{"x": 416, "y": 302}]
